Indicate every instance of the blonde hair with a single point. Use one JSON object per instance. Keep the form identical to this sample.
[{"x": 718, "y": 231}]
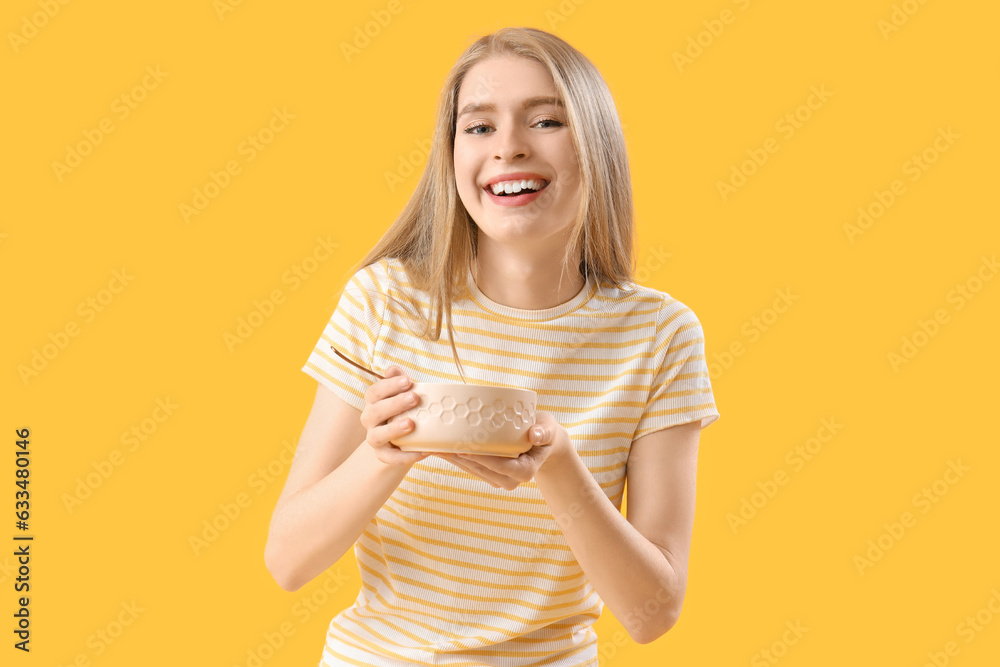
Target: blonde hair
[{"x": 435, "y": 238}]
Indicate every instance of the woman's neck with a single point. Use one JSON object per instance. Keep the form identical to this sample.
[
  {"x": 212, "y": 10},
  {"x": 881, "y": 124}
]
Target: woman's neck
[{"x": 524, "y": 282}]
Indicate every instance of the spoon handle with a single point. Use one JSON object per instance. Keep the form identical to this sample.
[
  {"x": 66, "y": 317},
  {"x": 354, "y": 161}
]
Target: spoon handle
[{"x": 356, "y": 365}]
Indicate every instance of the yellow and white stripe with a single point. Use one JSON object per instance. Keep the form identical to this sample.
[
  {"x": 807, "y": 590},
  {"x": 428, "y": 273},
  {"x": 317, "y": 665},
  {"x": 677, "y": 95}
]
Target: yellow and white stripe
[{"x": 454, "y": 571}]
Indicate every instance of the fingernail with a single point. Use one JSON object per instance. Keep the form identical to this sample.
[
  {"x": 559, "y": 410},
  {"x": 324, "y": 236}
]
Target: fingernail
[
  {"x": 538, "y": 432},
  {"x": 403, "y": 381}
]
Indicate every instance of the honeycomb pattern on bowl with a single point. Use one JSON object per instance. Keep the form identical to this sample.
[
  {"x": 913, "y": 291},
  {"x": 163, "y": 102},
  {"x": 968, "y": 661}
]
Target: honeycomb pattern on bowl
[
  {"x": 472, "y": 419},
  {"x": 474, "y": 413}
]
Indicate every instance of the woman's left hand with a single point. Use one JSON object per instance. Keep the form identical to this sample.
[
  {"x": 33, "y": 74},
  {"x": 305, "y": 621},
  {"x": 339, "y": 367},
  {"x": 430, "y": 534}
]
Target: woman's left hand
[{"x": 549, "y": 439}]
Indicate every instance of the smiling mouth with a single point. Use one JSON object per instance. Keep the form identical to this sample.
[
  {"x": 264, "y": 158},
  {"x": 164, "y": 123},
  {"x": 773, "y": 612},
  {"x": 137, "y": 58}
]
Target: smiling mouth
[
  {"x": 525, "y": 191},
  {"x": 515, "y": 188},
  {"x": 522, "y": 191}
]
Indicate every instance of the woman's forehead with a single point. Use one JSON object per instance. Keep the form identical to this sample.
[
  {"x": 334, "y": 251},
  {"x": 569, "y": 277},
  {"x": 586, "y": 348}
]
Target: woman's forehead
[{"x": 505, "y": 79}]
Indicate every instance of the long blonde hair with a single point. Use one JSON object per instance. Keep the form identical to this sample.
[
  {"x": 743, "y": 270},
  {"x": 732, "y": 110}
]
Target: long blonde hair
[{"x": 435, "y": 238}]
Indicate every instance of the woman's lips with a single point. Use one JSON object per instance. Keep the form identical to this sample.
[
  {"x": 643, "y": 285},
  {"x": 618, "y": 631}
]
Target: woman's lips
[{"x": 514, "y": 200}]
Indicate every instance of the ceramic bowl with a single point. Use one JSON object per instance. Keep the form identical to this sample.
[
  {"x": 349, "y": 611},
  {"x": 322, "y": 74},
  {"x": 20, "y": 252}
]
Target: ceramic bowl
[{"x": 468, "y": 419}]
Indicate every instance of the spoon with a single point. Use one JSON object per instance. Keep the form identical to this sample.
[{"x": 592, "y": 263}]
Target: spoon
[{"x": 356, "y": 365}]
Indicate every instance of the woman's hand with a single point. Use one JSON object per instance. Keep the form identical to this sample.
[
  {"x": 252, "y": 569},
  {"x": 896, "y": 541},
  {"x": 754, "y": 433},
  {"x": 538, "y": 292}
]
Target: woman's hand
[
  {"x": 549, "y": 440},
  {"x": 384, "y": 400}
]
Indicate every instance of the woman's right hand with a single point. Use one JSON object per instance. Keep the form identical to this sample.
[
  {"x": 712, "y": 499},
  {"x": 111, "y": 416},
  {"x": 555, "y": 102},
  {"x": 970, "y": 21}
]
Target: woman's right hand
[{"x": 384, "y": 400}]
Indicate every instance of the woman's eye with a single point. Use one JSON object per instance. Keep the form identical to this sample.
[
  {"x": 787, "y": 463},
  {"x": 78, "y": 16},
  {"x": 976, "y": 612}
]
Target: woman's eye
[
  {"x": 544, "y": 123},
  {"x": 555, "y": 123}
]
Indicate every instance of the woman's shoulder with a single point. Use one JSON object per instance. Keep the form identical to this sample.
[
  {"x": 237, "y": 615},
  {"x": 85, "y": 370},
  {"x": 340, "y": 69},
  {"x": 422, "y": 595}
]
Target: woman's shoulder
[
  {"x": 384, "y": 275},
  {"x": 630, "y": 292},
  {"x": 632, "y": 296}
]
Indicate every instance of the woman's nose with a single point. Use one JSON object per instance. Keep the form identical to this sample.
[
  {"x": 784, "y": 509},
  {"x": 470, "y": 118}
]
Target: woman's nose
[{"x": 510, "y": 143}]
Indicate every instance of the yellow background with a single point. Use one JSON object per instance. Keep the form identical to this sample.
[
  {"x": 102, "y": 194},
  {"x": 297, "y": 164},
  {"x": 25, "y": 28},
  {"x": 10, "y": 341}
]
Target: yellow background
[{"x": 161, "y": 336}]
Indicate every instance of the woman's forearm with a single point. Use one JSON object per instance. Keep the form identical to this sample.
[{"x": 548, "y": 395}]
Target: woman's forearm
[
  {"x": 317, "y": 525},
  {"x": 632, "y": 576}
]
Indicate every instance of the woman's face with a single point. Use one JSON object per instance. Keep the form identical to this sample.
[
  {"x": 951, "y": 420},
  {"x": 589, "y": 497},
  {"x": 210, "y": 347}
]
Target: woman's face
[{"x": 510, "y": 128}]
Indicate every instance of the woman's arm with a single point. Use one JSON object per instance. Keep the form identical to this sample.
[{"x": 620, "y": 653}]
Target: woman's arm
[
  {"x": 637, "y": 565},
  {"x": 334, "y": 488}
]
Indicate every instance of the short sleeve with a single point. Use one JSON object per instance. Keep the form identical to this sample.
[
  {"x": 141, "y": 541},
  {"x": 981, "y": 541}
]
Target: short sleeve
[
  {"x": 353, "y": 330},
  {"x": 681, "y": 389}
]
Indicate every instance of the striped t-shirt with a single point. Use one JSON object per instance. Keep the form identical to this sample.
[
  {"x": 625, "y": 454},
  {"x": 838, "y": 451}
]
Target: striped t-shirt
[{"x": 455, "y": 571}]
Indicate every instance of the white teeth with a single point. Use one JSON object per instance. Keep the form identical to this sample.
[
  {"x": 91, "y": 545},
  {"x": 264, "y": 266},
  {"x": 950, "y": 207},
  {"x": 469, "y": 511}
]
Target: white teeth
[{"x": 511, "y": 187}]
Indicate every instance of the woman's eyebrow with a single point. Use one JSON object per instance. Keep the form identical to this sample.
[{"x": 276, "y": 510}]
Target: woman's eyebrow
[{"x": 530, "y": 102}]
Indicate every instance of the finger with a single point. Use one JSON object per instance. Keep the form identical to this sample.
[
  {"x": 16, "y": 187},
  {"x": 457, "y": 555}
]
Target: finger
[
  {"x": 379, "y": 439},
  {"x": 381, "y": 436},
  {"x": 458, "y": 463},
  {"x": 544, "y": 428},
  {"x": 395, "y": 381},
  {"x": 452, "y": 459},
  {"x": 497, "y": 464},
  {"x": 494, "y": 477},
  {"x": 394, "y": 455},
  {"x": 386, "y": 409},
  {"x": 539, "y": 435},
  {"x": 509, "y": 469}
]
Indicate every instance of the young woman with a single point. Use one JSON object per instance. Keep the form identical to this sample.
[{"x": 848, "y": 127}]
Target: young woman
[{"x": 481, "y": 560}]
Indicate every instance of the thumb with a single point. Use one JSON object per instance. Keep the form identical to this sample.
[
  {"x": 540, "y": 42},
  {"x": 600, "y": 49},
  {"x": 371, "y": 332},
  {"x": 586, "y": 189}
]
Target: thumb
[
  {"x": 539, "y": 434},
  {"x": 541, "y": 431}
]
